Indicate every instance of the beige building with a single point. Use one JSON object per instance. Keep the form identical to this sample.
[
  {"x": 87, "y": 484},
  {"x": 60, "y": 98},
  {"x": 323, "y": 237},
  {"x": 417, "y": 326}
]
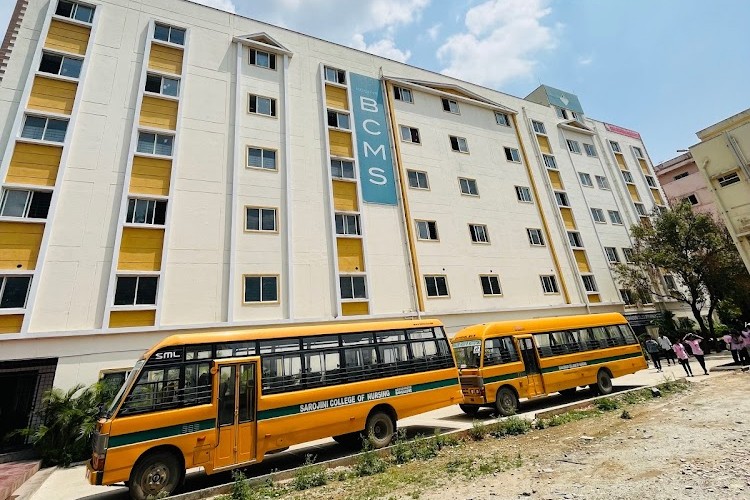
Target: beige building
[
  {"x": 167, "y": 166},
  {"x": 682, "y": 181},
  {"x": 723, "y": 157}
]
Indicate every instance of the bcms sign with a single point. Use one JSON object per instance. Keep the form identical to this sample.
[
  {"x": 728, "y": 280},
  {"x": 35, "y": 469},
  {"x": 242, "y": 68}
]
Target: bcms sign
[{"x": 373, "y": 141}]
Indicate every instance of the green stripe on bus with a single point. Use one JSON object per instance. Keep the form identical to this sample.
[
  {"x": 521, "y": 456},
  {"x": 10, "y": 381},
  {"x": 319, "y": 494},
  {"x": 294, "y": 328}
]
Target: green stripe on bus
[
  {"x": 599, "y": 361},
  {"x": 161, "y": 432},
  {"x": 509, "y": 376},
  {"x": 365, "y": 397}
]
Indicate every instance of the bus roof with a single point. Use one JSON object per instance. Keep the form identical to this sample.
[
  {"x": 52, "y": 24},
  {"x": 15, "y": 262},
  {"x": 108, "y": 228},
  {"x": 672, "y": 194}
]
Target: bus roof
[
  {"x": 522, "y": 326},
  {"x": 239, "y": 335}
]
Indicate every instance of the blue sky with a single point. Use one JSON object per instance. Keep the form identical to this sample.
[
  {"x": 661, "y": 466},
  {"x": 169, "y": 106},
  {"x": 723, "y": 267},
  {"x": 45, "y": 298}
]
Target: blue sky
[{"x": 665, "y": 68}]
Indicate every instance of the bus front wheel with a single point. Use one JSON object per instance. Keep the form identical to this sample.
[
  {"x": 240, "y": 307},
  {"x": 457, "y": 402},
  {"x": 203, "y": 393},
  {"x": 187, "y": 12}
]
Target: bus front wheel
[
  {"x": 380, "y": 429},
  {"x": 506, "y": 402},
  {"x": 469, "y": 409},
  {"x": 603, "y": 383},
  {"x": 155, "y": 474}
]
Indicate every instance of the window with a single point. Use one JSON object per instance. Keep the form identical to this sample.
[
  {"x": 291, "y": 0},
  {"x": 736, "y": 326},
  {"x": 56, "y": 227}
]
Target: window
[
  {"x": 681, "y": 175},
  {"x": 261, "y": 158},
  {"x": 450, "y": 105},
  {"x": 263, "y": 105},
  {"x": 427, "y": 230},
  {"x": 523, "y": 194},
  {"x": 13, "y": 291},
  {"x": 60, "y": 65},
  {"x": 157, "y": 84},
  {"x": 615, "y": 146},
  {"x": 728, "y": 180},
  {"x": 25, "y": 203},
  {"x": 44, "y": 129},
  {"x": 561, "y": 113},
  {"x": 562, "y": 199},
  {"x": 612, "y": 256},
  {"x": 589, "y": 283},
  {"x": 75, "y": 10},
  {"x": 402, "y": 94},
  {"x": 692, "y": 199},
  {"x": 468, "y": 186},
  {"x": 614, "y": 217},
  {"x": 549, "y": 161},
  {"x": 348, "y": 224},
  {"x": 628, "y": 254},
  {"x": 670, "y": 282},
  {"x": 260, "y": 219},
  {"x": 335, "y": 75},
  {"x": 135, "y": 290},
  {"x": 417, "y": 180},
  {"x": 535, "y": 237},
  {"x": 342, "y": 169},
  {"x": 154, "y": 144},
  {"x": 585, "y": 179},
  {"x": 640, "y": 209},
  {"x": 479, "y": 233},
  {"x": 598, "y": 215},
  {"x": 338, "y": 120},
  {"x": 499, "y": 350},
  {"x": 512, "y": 154},
  {"x": 549, "y": 284},
  {"x": 490, "y": 284},
  {"x": 353, "y": 287},
  {"x": 590, "y": 149},
  {"x": 261, "y": 289},
  {"x": 644, "y": 296},
  {"x": 574, "y": 237},
  {"x": 459, "y": 144},
  {"x": 262, "y": 59},
  {"x": 576, "y": 116},
  {"x": 602, "y": 182},
  {"x": 409, "y": 134},
  {"x": 627, "y": 297},
  {"x": 502, "y": 119},
  {"x": 573, "y": 146},
  {"x": 437, "y": 286},
  {"x": 141, "y": 211},
  {"x": 538, "y": 127},
  {"x": 169, "y": 34},
  {"x": 638, "y": 152},
  {"x": 627, "y": 176},
  {"x": 650, "y": 181}
]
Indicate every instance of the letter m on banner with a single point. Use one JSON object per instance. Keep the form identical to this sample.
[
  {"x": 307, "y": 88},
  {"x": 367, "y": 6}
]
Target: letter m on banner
[{"x": 373, "y": 141}]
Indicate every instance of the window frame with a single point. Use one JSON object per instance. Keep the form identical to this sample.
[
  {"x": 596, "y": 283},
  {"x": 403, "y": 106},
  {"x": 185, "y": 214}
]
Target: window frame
[
  {"x": 413, "y": 132},
  {"x": 562, "y": 199},
  {"x": 169, "y": 34},
  {"x": 575, "y": 239},
  {"x": 158, "y": 136},
  {"x": 263, "y": 152},
  {"x": 627, "y": 254},
  {"x": 550, "y": 279},
  {"x": 261, "y": 277},
  {"x": 47, "y": 120},
  {"x": 651, "y": 182},
  {"x": 458, "y": 141},
  {"x": 63, "y": 58},
  {"x": 505, "y": 122},
  {"x": 135, "y": 199},
  {"x": 681, "y": 175},
  {"x": 343, "y": 161},
  {"x": 618, "y": 215},
  {"x": 469, "y": 183},
  {"x": 74, "y": 11},
  {"x": 30, "y": 193},
  {"x": 602, "y": 183},
  {"x": 689, "y": 200},
  {"x": 273, "y": 111},
  {"x": 431, "y": 226},
  {"x": 452, "y": 103},
  {"x": 512, "y": 155},
  {"x": 732, "y": 177},
  {"x": 597, "y": 214},
  {"x": 340, "y": 75},
  {"x": 3, "y": 285},
  {"x": 162, "y": 78},
  {"x": 638, "y": 153},
  {"x": 417, "y": 174},
  {"x": 538, "y": 127},
  {"x": 531, "y": 232},
  {"x": 489, "y": 278},
  {"x": 612, "y": 256},
  {"x": 252, "y": 59},
  {"x": 400, "y": 92},
  {"x": 585, "y": 179},
  {"x": 549, "y": 161},
  {"x": 627, "y": 177},
  {"x": 640, "y": 209},
  {"x": 351, "y": 277},
  {"x": 573, "y": 146},
  {"x": 590, "y": 150},
  {"x": 435, "y": 278},
  {"x": 615, "y": 146},
  {"x": 339, "y": 115},
  {"x": 134, "y": 303},
  {"x": 589, "y": 283},
  {"x": 479, "y": 234},
  {"x": 344, "y": 216},
  {"x": 627, "y": 296},
  {"x": 261, "y": 211},
  {"x": 521, "y": 191}
]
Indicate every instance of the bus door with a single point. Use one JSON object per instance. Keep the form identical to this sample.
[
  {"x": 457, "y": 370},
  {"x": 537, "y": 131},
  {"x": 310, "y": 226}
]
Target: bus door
[
  {"x": 534, "y": 380},
  {"x": 236, "y": 383}
]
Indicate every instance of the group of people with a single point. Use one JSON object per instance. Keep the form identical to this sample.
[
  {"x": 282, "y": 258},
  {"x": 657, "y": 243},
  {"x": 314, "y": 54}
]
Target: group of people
[{"x": 738, "y": 343}]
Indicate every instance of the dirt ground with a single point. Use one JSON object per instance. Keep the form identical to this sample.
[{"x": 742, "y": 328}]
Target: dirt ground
[{"x": 688, "y": 445}]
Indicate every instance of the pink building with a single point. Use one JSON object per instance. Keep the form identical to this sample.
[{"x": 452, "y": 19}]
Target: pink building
[{"x": 680, "y": 179}]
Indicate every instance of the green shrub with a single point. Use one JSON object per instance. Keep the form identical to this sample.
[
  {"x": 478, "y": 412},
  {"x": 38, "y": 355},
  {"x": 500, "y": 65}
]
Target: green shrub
[
  {"x": 240, "y": 487},
  {"x": 512, "y": 426},
  {"x": 607, "y": 404},
  {"x": 478, "y": 430},
  {"x": 309, "y": 475},
  {"x": 369, "y": 463}
]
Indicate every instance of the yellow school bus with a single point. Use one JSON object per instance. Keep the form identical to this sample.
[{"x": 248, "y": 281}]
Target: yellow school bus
[
  {"x": 507, "y": 360},
  {"x": 223, "y": 400}
]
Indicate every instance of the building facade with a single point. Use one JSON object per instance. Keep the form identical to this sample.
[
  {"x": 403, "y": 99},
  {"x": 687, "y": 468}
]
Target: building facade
[
  {"x": 167, "y": 166},
  {"x": 723, "y": 157},
  {"x": 681, "y": 180}
]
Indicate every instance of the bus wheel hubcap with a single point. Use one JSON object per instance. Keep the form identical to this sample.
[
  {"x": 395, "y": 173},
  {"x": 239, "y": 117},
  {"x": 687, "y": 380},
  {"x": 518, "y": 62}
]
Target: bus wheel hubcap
[{"x": 157, "y": 476}]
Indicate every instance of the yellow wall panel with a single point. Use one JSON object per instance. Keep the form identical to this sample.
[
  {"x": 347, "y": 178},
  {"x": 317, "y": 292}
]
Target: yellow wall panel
[
  {"x": 341, "y": 143},
  {"x": 165, "y": 59},
  {"x": 544, "y": 144},
  {"x": 121, "y": 319},
  {"x": 555, "y": 179},
  {"x": 336, "y": 97},
  {"x": 19, "y": 244},
  {"x": 11, "y": 323},
  {"x": 53, "y": 96},
  {"x": 140, "y": 249},
  {"x": 150, "y": 176},
  {"x": 34, "y": 164},
  {"x": 67, "y": 37},
  {"x": 567, "y": 217},
  {"x": 621, "y": 161},
  {"x": 351, "y": 258},
  {"x": 354, "y": 308},
  {"x": 634, "y": 193},
  {"x": 345, "y": 196},
  {"x": 594, "y": 298},
  {"x": 582, "y": 261},
  {"x": 158, "y": 113},
  {"x": 657, "y": 196},
  {"x": 644, "y": 166}
]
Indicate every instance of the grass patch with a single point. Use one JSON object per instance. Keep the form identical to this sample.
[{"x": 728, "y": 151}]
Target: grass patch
[
  {"x": 626, "y": 415},
  {"x": 607, "y": 404},
  {"x": 478, "y": 430},
  {"x": 511, "y": 426},
  {"x": 309, "y": 475},
  {"x": 567, "y": 417},
  {"x": 420, "y": 448},
  {"x": 480, "y": 465}
]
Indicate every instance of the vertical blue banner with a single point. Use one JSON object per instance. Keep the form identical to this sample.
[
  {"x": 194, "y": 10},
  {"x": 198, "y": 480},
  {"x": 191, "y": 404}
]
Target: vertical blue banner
[{"x": 373, "y": 141}]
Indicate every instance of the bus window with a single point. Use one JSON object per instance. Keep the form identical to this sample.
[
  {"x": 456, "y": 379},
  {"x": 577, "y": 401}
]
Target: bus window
[
  {"x": 325, "y": 342},
  {"x": 280, "y": 345},
  {"x": 360, "y": 363},
  {"x": 628, "y": 334},
  {"x": 615, "y": 338},
  {"x": 197, "y": 384},
  {"x": 235, "y": 349},
  {"x": 198, "y": 352},
  {"x": 322, "y": 368},
  {"x": 544, "y": 344},
  {"x": 499, "y": 350},
  {"x": 357, "y": 339},
  {"x": 468, "y": 353},
  {"x": 246, "y": 407},
  {"x": 281, "y": 373},
  {"x": 156, "y": 389}
]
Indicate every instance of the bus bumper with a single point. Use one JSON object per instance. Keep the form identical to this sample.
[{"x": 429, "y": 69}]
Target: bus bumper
[{"x": 93, "y": 476}]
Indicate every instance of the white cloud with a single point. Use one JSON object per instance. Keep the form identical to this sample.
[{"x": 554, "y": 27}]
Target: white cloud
[
  {"x": 434, "y": 31},
  {"x": 500, "y": 42},
  {"x": 225, "y": 5},
  {"x": 585, "y": 60},
  {"x": 383, "y": 47}
]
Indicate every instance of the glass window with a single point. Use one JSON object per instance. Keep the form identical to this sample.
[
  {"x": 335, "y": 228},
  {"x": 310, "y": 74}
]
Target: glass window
[
  {"x": 512, "y": 154},
  {"x": 437, "y": 286},
  {"x": 417, "y": 180},
  {"x": 427, "y": 230},
  {"x": 450, "y": 106},
  {"x": 14, "y": 291},
  {"x": 523, "y": 194},
  {"x": 337, "y": 119},
  {"x": 169, "y": 34},
  {"x": 41, "y": 128},
  {"x": 157, "y": 388},
  {"x": 335, "y": 75},
  {"x": 262, "y": 59},
  {"x": 459, "y": 144},
  {"x": 142, "y": 211},
  {"x": 502, "y": 119},
  {"x": 75, "y": 10},
  {"x": 342, "y": 169},
  {"x": 135, "y": 290},
  {"x": 155, "y": 144},
  {"x": 260, "y": 219},
  {"x": 585, "y": 179},
  {"x": 490, "y": 285},
  {"x": 347, "y": 224},
  {"x": 468, "y": 186},
  {"x": 353, "y": 287},
  {"x": 574, "y": 146},
  {"x": 402, "y": 94},
  {"x": 261, "y": 289}
]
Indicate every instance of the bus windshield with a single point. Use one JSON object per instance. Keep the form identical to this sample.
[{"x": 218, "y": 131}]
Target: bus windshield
[
  {"x": 468, "y": 353},
  {"x": 118, "y": 397}
]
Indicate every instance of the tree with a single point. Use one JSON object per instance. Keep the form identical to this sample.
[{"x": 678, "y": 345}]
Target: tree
[{"x": 696, "y": 251}]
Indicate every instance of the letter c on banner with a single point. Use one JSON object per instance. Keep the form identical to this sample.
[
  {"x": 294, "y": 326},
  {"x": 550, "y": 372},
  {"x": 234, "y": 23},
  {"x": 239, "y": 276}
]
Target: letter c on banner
[{"x": 367, "y": 122}]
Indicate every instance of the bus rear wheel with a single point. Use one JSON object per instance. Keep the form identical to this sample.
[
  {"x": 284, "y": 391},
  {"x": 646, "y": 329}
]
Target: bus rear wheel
[
  {"x": 506, "y": 402},
  {"x": 155, "y": 474},
  {"x": 380, "y": 429},
  {"x": 603, "y": 384},
  {"x": 469, "y": 409}
]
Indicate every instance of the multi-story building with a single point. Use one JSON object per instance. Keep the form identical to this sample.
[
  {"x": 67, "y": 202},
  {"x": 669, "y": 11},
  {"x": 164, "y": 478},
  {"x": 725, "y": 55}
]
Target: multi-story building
[
  {"x": 167, "y": 166},
  {"x": 681, "y": 181},
  {"x": 723, "y": 156}
]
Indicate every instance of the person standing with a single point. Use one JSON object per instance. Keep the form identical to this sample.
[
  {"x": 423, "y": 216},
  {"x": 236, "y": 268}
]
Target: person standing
[
  {"x": 735, "y": 343},
  {"x": 744, "y": 353},
  {"x": 666, "y": 348},
  {"x": 682, "y": 357},
  {"x": 694, "y": 342},
  {"x": 654, "y": 350}
]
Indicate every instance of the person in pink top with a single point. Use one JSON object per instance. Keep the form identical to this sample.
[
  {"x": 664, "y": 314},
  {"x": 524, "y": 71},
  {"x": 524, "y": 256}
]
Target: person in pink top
[
  {"x": 682, "y": 357},
  {"x": 694, "y": 342}
]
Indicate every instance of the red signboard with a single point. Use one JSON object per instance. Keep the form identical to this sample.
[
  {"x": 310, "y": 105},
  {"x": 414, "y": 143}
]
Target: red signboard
[{"x": 622, "y": 131}]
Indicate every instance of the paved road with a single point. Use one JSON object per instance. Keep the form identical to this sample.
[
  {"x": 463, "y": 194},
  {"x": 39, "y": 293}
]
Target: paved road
[{"x": 69, "y": 484}]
